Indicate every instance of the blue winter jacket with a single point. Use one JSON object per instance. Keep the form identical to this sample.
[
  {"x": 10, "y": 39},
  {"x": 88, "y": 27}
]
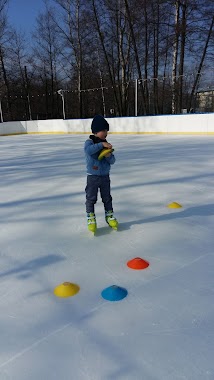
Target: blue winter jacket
[{"x": 93, "y": 165}]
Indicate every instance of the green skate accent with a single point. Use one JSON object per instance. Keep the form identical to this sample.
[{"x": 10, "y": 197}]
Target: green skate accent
[
  {"x": 111, "y": 220},
  {"x": 92, "y": 224}
]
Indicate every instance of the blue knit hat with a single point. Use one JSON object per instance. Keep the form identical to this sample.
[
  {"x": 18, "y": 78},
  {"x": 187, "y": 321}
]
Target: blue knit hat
[{"x": 99, "y": 124}]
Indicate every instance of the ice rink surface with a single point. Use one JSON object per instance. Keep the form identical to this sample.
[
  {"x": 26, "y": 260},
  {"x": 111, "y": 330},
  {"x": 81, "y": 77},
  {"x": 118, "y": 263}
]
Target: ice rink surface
[{"x": 163, "y": 329}]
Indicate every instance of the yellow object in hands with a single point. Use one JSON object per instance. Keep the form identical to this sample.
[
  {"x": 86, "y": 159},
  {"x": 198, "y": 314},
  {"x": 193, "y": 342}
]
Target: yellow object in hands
[{"x": 104, "y": 152}]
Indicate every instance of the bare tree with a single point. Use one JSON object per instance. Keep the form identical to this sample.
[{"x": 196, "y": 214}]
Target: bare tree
[
  {"x": 137, "y": 59},
  {"x": 104, "y": 45},
  {"x": 72, "y": 27},
  {"x": 198, "y": 74},
  {"x": 96, "y": 50},
  {"x": 189, "y": 37},
  {"x": 4, "y": 38},
  {"x": 183, "y": 33},
  {"x": 175, "y": 56},
  {"x": 17, "y": 71},
  {"x": 47, "y": 52}
]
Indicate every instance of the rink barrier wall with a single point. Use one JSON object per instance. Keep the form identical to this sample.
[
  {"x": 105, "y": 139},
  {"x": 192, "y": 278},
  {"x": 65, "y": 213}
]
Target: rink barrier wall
[{"x": 192, "y": 124}]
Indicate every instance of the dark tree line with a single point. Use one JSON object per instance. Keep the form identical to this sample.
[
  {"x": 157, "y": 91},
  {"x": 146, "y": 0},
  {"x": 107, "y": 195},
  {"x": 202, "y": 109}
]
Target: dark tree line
[{"x": 114, "y": 57}]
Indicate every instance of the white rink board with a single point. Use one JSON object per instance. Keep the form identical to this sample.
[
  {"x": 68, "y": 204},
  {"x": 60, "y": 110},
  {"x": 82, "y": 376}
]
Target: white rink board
[{"x": 164, "y": 124}]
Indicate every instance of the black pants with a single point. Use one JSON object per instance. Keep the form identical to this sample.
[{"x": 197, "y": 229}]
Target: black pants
[{"x": 95, "y": 182}]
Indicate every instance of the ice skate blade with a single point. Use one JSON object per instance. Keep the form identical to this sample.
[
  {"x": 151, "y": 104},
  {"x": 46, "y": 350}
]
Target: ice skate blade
[
  {"x": 91, "y": 234},
  {"x": 115, "y": 228},
  {"x": 92, "y": 230}
]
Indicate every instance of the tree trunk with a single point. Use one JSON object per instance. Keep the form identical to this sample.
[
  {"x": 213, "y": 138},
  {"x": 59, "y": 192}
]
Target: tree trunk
[
  {"x": 112, "y": 78},
  {"x": 146, "y": 57},
  {"x": 182, "y": 53},
  {"x": 6, "y": 82},
  {"x": 79, "y": 63},
  {"x": 136, "y": 56},
  {"x": 156, "y": 16},
  {"x": 175, "y": 58},
  {"x": 27, "y": 95},
  {"x": 197, "y": 78}
]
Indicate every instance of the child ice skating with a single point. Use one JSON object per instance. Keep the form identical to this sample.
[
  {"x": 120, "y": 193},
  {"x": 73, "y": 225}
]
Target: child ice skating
[{"x": 99, "y": 158}]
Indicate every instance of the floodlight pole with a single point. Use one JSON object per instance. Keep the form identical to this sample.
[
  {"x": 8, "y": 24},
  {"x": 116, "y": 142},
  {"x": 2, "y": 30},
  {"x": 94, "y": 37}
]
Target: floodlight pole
[{"x": 61, "y": 93}]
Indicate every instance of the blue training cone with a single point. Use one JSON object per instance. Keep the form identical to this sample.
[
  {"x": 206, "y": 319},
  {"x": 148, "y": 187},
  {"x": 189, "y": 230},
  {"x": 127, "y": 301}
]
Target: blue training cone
[{"x": 114, "y": 293}]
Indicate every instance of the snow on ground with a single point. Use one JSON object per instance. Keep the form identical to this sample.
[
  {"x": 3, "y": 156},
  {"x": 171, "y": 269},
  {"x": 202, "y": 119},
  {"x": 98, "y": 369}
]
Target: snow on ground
[{"x": 163, "y": 329}]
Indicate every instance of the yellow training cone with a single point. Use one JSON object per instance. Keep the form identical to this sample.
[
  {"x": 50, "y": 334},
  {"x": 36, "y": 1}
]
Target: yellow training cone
[
  {"x": 67, "y": 289},
  {"x": 174, "y": 205}
]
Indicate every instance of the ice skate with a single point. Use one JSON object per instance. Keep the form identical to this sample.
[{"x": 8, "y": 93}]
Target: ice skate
[
  {"x": 111, "y": 220},
  {"x": 92, "y": 224}
]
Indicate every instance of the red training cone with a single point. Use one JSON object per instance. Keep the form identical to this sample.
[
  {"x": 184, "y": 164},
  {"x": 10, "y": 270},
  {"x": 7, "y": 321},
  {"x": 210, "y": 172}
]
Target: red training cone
[{"x": 137, "y": 263}]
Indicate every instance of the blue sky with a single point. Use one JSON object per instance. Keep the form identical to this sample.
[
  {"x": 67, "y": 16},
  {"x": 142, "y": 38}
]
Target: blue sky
[{"x": 22, "y": 14}]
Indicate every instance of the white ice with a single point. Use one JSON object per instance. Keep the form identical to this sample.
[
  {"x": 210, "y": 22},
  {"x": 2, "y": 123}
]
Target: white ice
[{"x": 163, "y": 329}]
